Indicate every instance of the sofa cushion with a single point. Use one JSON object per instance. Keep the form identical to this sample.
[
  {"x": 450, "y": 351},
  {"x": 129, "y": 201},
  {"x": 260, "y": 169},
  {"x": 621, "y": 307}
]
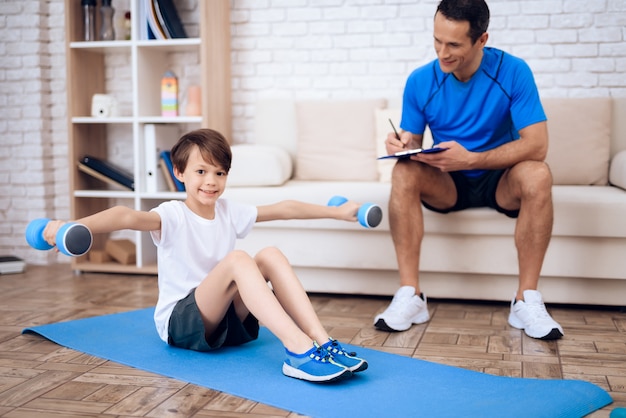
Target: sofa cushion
[
  {"x": 382, "y": 117},
  {"x": 617, "y": 173},
  {"x": 336, "y": 140},
  {"x": 579, "y": 132},
  {"x": 275, "y": 124},
  {"x": 259, "y": 165}
]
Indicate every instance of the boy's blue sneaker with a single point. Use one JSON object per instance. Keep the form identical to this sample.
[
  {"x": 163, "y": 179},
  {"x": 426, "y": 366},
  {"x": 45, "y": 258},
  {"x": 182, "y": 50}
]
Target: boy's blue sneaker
[
  {"x": 316, "y": 365},
  {"x": 350, "y": 360}
]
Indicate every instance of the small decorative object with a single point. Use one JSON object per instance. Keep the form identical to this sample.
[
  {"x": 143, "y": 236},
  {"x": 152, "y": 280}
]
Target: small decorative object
[
  {"x": 194, "y": 101},
  {"x": 169, "y": 95},
  {"x": 107, "y": 32},
  {"x": 103, "y": 106},
  {"x": 127, "y": 25},
  {"x": 89, "y": 19}
]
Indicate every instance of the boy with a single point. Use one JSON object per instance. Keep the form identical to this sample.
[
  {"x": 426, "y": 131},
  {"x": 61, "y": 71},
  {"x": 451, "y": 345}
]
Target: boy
[{"x": 211, "y": 295}]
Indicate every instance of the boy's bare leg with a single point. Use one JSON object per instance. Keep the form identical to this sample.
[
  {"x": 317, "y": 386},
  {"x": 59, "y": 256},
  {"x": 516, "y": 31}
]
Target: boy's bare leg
[
  {"x": 238, "y": 275},
  {"x": 275, "y": 267}
]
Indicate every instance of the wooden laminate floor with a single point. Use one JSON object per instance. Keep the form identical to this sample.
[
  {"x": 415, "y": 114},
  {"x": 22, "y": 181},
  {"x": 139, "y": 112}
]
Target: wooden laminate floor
[{"x": 41, "y": 379}]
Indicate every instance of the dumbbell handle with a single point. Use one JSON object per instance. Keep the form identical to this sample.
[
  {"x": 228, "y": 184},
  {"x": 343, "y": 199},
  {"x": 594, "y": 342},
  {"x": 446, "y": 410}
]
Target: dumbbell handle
[
  {"x": 72, "y": 238},
  {"x": 369, "y": 215}
]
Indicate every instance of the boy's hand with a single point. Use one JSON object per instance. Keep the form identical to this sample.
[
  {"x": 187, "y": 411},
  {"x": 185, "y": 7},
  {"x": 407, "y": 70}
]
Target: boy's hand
[
  {"x": 50, "y": 231},
  {"x": 348, "y": 211}
]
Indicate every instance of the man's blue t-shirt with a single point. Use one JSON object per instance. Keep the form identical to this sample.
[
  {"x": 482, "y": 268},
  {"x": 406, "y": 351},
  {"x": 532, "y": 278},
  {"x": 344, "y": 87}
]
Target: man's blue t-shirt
[{"x": 481, "y": 114}]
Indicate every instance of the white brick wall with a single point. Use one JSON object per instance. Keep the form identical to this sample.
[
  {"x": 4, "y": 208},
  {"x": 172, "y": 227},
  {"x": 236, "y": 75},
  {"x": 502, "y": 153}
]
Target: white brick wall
[
  {"x": 33, "y": 158},
  {"x": 347, "y": 49},
  {"x": 282, "y": 48}
]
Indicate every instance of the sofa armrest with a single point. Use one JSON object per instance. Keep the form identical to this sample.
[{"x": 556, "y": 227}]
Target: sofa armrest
[{"x": 617, "y": 171}]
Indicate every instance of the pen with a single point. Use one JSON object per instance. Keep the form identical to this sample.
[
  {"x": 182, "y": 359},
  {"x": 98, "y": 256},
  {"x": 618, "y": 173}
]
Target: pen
[{"x": 394, "y": 129}]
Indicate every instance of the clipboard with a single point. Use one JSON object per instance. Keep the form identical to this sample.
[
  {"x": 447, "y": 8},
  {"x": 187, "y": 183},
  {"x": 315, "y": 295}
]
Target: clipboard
[{"x": 406, "y": 154}]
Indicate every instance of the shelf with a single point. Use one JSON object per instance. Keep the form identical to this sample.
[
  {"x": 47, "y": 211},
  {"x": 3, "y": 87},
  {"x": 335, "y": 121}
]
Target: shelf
[
  {"x": 115, "y": 194},
  {"x": 173, "y": 45},
  {"x": 140, "y": 119},
  {"x": 176, "y": 119},
  {"x": 105, "y": 194},
  {"x": 132, "y": 72},
  {"x": 101, "y": 46},
  {"x": 114, "y": 268},
  {"x": 111, "y": 120}
]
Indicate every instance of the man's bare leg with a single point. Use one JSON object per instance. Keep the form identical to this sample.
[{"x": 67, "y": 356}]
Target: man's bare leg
[
  {"x": 412, "y": 182},
  {"x": 528, "y": 185}
]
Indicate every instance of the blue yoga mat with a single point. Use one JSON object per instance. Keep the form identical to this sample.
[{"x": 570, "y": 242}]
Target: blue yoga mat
[{"x": 393, "y": 386}]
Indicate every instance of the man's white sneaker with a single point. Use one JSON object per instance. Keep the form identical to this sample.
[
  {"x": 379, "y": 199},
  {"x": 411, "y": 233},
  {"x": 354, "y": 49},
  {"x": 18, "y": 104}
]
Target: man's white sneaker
[
  {"x": 405, "y": 309},
  {"x": 530, "y": 315}
]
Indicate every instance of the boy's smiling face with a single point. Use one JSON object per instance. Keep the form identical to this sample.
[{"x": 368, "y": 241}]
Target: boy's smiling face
[{"x": 204, "y": 184}]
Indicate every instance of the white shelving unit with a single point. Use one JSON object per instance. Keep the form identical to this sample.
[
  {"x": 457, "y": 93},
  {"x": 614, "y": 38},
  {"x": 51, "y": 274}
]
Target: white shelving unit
[{"x": 147, "y": 62}]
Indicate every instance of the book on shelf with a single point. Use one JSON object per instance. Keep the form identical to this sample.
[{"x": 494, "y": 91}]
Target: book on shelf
[
  {"x": 11, "y": 264},
  {"x": 157, "y": 138},
  {"x": 155, "y": 30},
  {"x": 160, "y": 20},
  {"x": 107, "y": 172},
  {"x": 169, "y": 180},
  {"x": 166, "y": 160},
  {"x": 143, "y": 20},
  {"x": 168, "y": 16}
]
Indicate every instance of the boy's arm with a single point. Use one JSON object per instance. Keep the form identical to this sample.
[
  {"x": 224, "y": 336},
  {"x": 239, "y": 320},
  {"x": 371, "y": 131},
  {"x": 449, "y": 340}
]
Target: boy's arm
[
  {"x": 109, "y": 220},
  {"x": 293, "y": 209}
]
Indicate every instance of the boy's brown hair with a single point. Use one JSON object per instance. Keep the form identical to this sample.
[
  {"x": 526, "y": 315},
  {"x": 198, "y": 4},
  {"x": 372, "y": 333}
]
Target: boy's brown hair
[{"x": 212, "y": 145}]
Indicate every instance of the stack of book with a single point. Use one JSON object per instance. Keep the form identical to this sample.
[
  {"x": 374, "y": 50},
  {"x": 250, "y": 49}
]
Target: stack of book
[
  {"x": 107, "y": 172},
  {"x": 160, "y": 20},
  {"x": 159, "y": 175},
  {"x": 157, "y": 170},
  {"x": 173, "y": 184}
]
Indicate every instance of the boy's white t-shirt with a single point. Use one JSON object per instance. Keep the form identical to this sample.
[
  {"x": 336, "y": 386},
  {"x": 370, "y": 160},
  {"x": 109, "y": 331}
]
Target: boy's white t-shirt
[{"x": 189, "y": 247}]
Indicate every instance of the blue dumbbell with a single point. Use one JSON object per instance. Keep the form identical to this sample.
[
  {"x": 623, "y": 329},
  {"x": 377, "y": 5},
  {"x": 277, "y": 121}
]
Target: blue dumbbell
[
  {"x": 369, "y": 214},
  {"x": 72, "y": 238}
]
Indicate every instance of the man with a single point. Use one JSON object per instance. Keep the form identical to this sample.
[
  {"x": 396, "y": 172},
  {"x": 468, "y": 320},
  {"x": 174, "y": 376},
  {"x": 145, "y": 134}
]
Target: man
[{"x": 482, "y": 105}]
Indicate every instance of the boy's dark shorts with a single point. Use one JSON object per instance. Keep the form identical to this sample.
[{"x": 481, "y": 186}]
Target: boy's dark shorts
[
  {"x": 475, "y": 192},
  {"x": 186, "y": 329}
]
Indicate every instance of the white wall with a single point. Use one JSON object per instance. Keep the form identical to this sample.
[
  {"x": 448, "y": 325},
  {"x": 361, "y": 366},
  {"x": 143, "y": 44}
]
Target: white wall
[
  {"x": 366, "y": 48},
  {"x": 33, "y": 158},
  {"x": 281, "y": 48}
]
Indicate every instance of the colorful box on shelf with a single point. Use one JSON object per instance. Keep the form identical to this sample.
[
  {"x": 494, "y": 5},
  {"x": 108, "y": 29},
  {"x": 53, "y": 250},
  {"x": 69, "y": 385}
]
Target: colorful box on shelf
[{"x": 169, "y": 95}]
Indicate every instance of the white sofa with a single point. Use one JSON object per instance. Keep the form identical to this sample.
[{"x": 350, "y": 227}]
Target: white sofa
[{"x": 312, "y": 150}]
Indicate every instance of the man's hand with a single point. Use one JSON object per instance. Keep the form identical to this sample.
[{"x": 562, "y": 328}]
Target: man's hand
[
  {"x": 455, "y": 158},
  {"x": 406, "y": 141}
]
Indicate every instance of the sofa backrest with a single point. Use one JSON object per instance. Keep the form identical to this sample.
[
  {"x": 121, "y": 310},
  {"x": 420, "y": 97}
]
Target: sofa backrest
[
  {"x": 618, "y": 128},
  {"x": 580, "y": 140},
  {"x": 584, "y": 134},
  {"x": 275, "y": 124},
  {"x": 326, "y": 139}
]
